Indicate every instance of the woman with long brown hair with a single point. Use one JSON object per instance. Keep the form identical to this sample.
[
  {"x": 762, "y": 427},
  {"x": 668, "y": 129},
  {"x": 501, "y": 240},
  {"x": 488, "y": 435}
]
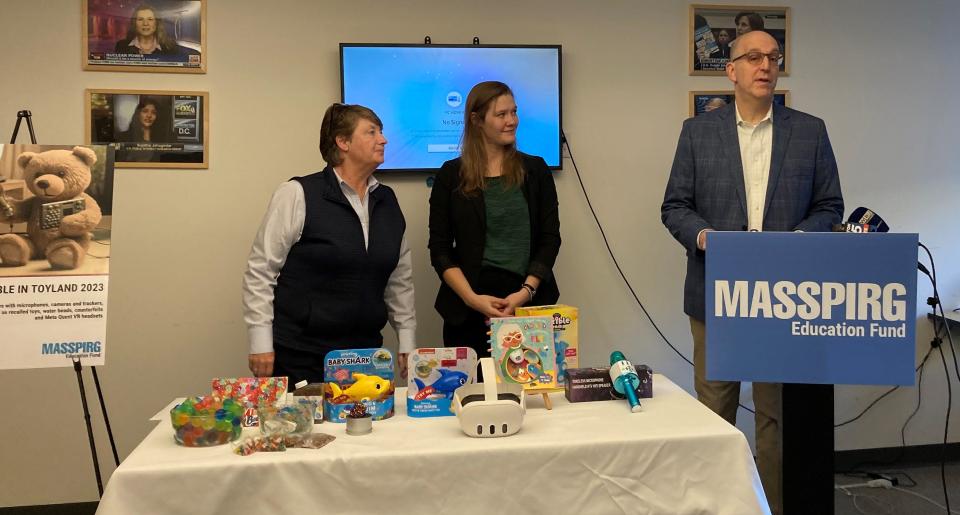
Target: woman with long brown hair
[{"x": 494, "y": 223}]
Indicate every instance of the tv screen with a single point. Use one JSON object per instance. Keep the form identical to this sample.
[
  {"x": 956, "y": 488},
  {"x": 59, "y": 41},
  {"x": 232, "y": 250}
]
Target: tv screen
[{"x": 420, "y": 91}]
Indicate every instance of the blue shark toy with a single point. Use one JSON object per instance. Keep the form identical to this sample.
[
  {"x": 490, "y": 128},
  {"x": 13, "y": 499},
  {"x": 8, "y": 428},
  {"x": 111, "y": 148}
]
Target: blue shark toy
[
  {"x": 449, "y": 381},
  {"x": 435, "y": 373}
]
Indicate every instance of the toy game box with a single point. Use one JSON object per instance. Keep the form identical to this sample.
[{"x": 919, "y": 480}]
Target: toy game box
[
  {"x": 433, "y": 374},
  {"x": 593, "y": 384},
  {"x": 566, "y": 324},
  {"x": 523, "y": 351},
  {"x": 364, "y": 375}
]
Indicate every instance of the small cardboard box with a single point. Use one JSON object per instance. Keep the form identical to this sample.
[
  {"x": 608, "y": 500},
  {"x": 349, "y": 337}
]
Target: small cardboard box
[{"x": 593, "y": 384}]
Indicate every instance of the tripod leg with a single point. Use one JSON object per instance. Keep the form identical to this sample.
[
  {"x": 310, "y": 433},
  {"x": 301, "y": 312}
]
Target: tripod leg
[
  {"x": 106, "y": 420},
  {"x": 86, "y": 417},
  {"x": 33, "y": 135},
  {"x": 16, "y": 129}
]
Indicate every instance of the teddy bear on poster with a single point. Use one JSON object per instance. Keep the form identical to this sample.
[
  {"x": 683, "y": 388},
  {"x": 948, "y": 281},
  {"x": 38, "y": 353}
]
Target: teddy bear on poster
[{"x": 59, "y": 216}]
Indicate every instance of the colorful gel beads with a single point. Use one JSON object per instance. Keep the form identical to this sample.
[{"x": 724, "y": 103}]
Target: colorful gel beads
[
  {"x": 204, "y": 421},
  {"x": 293, "y": 418}
]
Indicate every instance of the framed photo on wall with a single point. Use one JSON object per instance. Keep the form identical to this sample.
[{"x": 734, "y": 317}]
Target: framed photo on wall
[
  {"x": 150, "y": 129},
  {"x": 714, "y": 30},
  {"x": 705, "y": 101},
  {"x": 156, "y": 36}
]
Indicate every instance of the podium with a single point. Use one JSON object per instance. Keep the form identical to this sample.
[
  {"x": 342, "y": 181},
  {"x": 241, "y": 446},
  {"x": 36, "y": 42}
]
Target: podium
[{"x": 810, "y": 310}]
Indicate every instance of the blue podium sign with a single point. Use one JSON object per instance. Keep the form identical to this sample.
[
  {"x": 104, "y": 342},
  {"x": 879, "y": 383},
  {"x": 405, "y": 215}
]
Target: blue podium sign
[{"x": 828, "y": 308}]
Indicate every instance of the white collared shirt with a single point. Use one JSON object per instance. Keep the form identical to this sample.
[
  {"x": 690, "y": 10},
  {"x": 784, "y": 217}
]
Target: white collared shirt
[
  {"x": 359, "y": 204},
  {"x": 756, "y": 147},
  {"x": 282, "y": 226}
]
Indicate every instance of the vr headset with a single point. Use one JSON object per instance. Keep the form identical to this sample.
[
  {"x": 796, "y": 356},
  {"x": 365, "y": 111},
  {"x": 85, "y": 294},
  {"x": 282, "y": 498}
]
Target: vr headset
[{"x": 489, "y": 409}]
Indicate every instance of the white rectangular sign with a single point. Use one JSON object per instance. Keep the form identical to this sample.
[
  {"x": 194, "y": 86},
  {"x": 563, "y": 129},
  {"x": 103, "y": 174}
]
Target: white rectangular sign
[{"x": 48, "y": 321}]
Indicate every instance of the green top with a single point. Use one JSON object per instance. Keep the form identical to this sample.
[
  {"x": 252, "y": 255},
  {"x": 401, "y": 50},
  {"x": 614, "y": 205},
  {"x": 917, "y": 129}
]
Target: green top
[{"x": 507, "y": 243}]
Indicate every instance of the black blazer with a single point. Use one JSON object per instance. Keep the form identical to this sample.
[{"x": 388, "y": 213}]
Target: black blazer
[{"x": 458, "y": 232}]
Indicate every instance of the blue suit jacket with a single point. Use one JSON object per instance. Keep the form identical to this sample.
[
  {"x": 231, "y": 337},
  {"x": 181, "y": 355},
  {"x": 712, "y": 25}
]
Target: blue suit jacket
[{"x": 706, "y": 188}]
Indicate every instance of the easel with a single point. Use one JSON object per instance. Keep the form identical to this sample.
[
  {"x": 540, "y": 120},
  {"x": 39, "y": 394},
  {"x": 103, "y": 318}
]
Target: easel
[
  {"x": 546, "y": 401},
  {"x": 25, "y": 113},
  {"x": 77, "y": 366}
]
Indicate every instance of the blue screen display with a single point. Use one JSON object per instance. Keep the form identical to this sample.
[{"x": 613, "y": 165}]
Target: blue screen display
[{"x": 419, "y": 92}]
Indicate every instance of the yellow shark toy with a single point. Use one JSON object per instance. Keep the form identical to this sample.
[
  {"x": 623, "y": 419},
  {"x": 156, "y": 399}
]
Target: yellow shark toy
[{"x": 366, "y": 387}]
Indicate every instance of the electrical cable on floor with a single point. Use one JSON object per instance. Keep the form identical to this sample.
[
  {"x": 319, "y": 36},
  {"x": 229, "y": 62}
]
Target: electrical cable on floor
[
  {"x": 889, "y": 475},
  {"x": 885, "y": 484},
  {"x": 885, "y": 506},
  {"x": 940, "y": 325},
  {"x": 925, "y": 498}
]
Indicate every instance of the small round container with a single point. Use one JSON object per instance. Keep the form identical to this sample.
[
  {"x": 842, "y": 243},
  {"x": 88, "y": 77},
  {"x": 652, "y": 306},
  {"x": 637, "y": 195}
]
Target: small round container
[
  {"x": 295, "y": 418},
  {"x": 359, "y": 426},
  {"x": 204, "y": 421}
]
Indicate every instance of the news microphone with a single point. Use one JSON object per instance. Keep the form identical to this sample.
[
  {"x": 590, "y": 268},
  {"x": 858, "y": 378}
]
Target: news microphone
[
  {"x": 862, "y": 215},
  {"x": 862, "y": 220},
  {"x": 625, "y": 379},
  {"x": 852, "y": 227}
]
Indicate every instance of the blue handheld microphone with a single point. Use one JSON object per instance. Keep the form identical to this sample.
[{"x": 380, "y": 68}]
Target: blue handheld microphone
[{"x": 625, "y": 379}]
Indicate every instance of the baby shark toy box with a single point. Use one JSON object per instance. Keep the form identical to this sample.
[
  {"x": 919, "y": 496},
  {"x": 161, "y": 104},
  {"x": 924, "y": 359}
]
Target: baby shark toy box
[{"x": 358, "y": 375}]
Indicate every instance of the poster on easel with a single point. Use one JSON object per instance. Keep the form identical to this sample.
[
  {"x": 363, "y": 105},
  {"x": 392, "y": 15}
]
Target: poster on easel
[{"x": 56, "y": 204}]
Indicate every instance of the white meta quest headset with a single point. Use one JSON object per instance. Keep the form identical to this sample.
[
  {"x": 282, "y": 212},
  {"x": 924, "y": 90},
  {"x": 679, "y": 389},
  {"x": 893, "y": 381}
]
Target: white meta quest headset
[{"x": 489, "y": 409}]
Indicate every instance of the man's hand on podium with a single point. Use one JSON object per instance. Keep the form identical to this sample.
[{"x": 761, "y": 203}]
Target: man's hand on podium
[{"x": 702, "y": 239}]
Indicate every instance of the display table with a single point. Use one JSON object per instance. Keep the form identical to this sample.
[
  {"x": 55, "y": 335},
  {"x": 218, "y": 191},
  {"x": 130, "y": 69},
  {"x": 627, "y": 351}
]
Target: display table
[{"x": 676, "y": 457}]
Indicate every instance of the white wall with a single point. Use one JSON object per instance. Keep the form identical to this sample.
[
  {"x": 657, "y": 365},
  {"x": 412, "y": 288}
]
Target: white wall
[{"x": 880, "y": 73}]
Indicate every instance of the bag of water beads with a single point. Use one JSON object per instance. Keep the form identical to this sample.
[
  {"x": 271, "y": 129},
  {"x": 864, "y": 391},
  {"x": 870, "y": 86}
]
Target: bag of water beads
[
  {"x": 292, "y": 418},
  {"x": 260, "y": 443},
  {"x": 278, "y": 442},
  {"x": 309, "y": 441},
  {"x": 203, "y": 421}
]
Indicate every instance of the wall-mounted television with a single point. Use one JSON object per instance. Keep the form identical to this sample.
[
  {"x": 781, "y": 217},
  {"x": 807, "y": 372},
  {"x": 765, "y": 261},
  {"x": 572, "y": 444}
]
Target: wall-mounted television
[{"x": 419, "y": 92}]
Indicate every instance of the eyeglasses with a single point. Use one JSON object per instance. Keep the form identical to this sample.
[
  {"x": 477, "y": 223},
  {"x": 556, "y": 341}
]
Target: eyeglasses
[
  {"x": 756, "y": 58},
  {"x": 337, "y": 111}
]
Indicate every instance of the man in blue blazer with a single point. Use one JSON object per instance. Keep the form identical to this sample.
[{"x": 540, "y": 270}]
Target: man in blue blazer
[{"x": 749, "y": 166}]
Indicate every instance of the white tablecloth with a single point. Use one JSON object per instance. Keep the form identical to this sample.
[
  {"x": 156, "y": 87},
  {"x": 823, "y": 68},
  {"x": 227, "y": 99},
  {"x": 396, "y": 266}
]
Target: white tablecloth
[{"x": 675, "y": 457}]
